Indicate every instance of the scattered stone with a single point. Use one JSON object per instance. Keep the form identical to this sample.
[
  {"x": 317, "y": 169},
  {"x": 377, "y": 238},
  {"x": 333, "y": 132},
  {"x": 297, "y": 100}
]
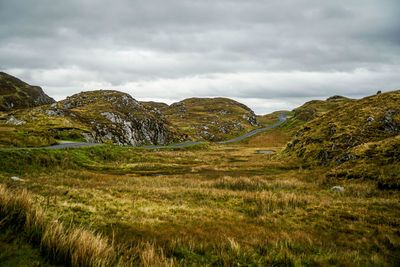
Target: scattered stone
[
  {"x": 57, "y": 112},
  {"x": 370, "y": 120},
  {"x": 337, "y": 189},
  {"x": 15, "y": 122},
  {"x": 15, "y": 178},
  {"x": 266, "y": 151}
]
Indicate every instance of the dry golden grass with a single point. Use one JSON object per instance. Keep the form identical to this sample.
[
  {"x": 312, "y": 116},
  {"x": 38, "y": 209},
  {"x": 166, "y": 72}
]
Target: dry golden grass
[
  {"x": 72, "y": 246},
  {"x": 224, "y": 206},
  {"x": 274, "y": 138}
]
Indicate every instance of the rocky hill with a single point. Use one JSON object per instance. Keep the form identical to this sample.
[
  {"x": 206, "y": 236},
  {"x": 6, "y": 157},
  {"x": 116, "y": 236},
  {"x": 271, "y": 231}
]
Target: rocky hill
[
  {"x": 16, "y": 94},
  {"x": 155, "y": 105},
  {"x": 212, "y": 119},
  {"x": 312, "y": 109},
  {"x": 97, "y": 116},
  {"x": 358, "y": 140}
]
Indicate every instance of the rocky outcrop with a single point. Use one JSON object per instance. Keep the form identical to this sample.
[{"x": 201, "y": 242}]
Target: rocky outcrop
[
  {"x": 360, "y": 139},
  {"x": 115, "y": 117},
  {"x": 314, "y": 108},
  {"x": 16, "y": 94}
]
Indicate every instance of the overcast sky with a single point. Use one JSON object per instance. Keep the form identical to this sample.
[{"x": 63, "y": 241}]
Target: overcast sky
[{"x": 268, "y": 54}]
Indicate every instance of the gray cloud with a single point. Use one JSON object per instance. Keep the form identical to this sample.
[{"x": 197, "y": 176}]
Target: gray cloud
[{"x": 263, "y": 51}]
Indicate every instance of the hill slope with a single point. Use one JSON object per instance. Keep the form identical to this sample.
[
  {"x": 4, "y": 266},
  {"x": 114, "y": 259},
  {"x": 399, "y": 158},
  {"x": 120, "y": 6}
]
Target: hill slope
[
  {"x": 16, "y": 94},
  {"x": 359, "y": 139},
  {"x": 96, "y": 116},
  {"x": 213, "y": 119},
  {"x": 312, "y": 109}
]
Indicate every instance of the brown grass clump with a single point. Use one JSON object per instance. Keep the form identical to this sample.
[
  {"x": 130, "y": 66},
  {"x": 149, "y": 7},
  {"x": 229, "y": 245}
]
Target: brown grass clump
[
  {"x": 240, "y": 184},
  {"x": 72, "y": 246},
  {"x": 266, "y": 202}
]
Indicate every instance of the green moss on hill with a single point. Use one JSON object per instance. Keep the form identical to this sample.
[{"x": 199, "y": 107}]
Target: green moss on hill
[
  {"x": 359, "y": 140},
  {"x": 211, "y": 119},
  {"x": 16, "y": 94},
  {"x": 312, "y": 109}
]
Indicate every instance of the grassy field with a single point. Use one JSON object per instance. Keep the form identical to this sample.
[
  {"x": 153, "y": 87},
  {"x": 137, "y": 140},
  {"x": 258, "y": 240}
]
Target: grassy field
[{"x": 202, "y": 205}]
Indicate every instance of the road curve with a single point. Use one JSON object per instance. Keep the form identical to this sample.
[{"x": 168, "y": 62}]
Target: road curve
[{"x": 282, "y": 118}]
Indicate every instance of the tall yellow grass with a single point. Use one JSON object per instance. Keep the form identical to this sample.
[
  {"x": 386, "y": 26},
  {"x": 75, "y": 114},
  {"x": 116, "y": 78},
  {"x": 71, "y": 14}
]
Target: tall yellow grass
[{"x": 70, "y": 246}]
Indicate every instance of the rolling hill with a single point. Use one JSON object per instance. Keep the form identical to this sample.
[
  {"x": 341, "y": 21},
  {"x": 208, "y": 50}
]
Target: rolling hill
[
  {"x": 97, "y": 116},
  {"x": 358, "y": 140},
  {"x": 16, "y": 94},
  {"x": 212, "y": 119}
]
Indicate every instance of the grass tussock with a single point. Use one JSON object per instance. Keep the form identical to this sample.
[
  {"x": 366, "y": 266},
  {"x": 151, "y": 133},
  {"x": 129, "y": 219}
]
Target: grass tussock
[
  {"x": 266, "y": 202},
  {"x": 71, "y": 246},
  {"x": 240, "y": 184}
]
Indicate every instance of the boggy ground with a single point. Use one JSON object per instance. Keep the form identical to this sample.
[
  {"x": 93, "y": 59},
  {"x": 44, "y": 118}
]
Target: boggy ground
[{"x": 211, "y": 205}]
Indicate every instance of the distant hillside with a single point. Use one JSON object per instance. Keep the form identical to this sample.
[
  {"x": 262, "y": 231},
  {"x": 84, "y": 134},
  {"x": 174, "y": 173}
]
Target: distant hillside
[
  {"x": 96, "y": 116},
  {"x": 312, "y": 109},
  {"x": 359, "y": 140},
  {"x": 155, "y": 105},
  {"x": 211, "y": 119},
  {"x": 271, "y": 118},
  {"x": 16, "y": 94}
]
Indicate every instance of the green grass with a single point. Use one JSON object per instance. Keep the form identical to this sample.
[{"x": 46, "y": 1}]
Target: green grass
[{"x": 211, "y": 205}]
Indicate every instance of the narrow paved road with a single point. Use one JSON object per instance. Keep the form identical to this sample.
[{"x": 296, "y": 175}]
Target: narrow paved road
[
  {"x": 282, "y": 118},
  {"x": 66, "y": 144}
]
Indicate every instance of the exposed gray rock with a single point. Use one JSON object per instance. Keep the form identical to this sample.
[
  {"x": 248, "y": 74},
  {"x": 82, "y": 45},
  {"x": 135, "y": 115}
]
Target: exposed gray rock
[
  {"x": 344, "y": 158},
  {"x": 337, "y": 189},
  {"x": 14, "y": 121},
  {"x": 57, "y": 112},
  {"x": 388, "y": 124},
  {"x": 369, "y": 121},
  {"x": 15, "y": 178}
]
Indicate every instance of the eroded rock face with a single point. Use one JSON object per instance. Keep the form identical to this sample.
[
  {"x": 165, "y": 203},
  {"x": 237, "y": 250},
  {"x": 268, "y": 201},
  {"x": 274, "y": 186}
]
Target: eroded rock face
[
  {"x": 388, "y": 124},
  {"x": 116, "y": 117}
]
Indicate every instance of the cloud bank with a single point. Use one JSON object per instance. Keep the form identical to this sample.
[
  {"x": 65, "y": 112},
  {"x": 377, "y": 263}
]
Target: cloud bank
[{"x": 269, "y": 55}]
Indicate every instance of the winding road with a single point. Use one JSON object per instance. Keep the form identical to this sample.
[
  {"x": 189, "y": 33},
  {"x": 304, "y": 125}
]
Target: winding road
[
  {"x": 282, "y": 118},
  {"x": 65, "y": 144}
]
